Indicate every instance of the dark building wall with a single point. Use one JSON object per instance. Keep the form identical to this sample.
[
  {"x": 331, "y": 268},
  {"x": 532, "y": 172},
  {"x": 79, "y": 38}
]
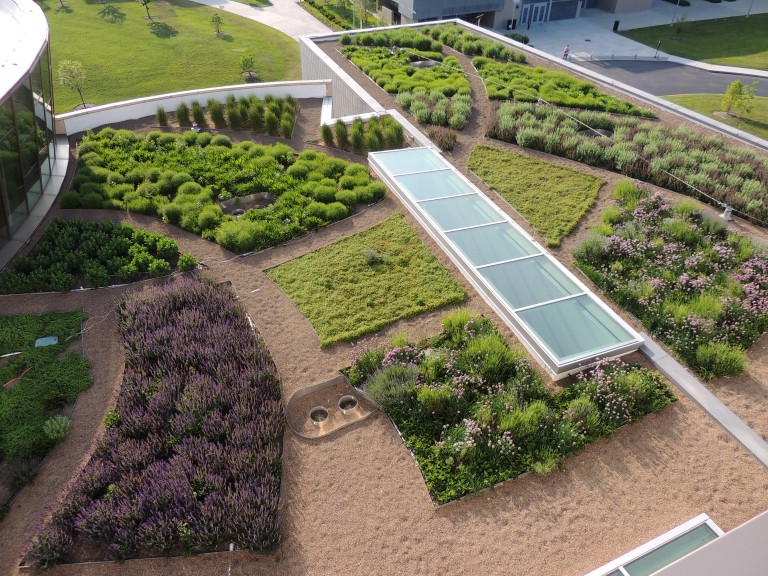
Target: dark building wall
[
  {"x": 417, "y": 10},
  {"x": 26, "y": 144},
  {"x": 563, "y": 9}
]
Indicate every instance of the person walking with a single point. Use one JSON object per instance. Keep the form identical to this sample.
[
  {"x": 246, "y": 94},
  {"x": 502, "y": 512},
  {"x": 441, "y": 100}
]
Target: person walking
[{"x": 566, "y": 51}]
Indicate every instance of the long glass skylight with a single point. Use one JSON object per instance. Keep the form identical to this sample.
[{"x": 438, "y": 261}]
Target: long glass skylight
[{"x": 560, "y": 321}]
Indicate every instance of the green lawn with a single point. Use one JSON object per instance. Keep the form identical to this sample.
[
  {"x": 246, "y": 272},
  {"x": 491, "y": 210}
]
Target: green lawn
[
  {"x": 756, "y": 122},
  {"x": 735, "y": 41},
  {"x": 127, "y": 56},
  {"x": 552, "y": 198},
  {"x": 363, "y": 283}
]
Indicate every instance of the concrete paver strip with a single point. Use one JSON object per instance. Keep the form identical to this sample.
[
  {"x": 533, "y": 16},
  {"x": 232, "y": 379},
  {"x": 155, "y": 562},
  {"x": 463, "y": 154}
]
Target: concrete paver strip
[{"x": 691, "y": 386}]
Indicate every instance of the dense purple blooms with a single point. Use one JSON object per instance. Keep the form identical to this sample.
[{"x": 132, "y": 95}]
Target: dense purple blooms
[{"x": 194, "y": 458}]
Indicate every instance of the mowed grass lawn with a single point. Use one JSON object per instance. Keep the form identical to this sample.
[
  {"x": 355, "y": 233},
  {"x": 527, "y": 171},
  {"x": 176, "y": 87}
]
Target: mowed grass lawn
[
  {"x": 737, "y": 41},
  {"x": 552, "y": 198},
  {"x": 367, "y": 281},
  {"x": 127, "y": 56},
  {"x": 756, "y": 122}
]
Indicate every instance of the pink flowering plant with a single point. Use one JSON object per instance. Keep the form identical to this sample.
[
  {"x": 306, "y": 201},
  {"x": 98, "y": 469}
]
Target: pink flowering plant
[
  {"x": 694, "y": 284},
  {"x": 474, "y": 413},
  {"x": 191, "y": 458}
]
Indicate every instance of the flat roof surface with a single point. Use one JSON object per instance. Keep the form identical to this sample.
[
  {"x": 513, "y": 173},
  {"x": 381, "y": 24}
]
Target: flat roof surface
[
  {"x": 558, "y": 318},
  {"x": 23, "y": 31}
]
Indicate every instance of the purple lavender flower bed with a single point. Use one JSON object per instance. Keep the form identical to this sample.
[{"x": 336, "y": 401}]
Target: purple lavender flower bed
[
  {"x": 191, "y": 457},
  {"x": 696, "y": 285}
]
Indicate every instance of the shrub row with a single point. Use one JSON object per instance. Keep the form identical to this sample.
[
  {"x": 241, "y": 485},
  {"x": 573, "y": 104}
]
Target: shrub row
[
  {"x": 93, "y": 254},
  {"x": 327, "y": 15},
  {"x": 678, "y": 159},
  {"x": 192, "y": 452},
  {"x": 526, "y": 84},
  {"x": 181, "y": 177},
  {"x": 473, "y": 45},
  {"x": 395, "y": 72},
  {"x": 435, "y": 108},
  {"x": 700, "y": 288},
  {"x": 375, "y": 134},
  {"x": 273, "y": 116},
  {"x": 474, "y": 413}
]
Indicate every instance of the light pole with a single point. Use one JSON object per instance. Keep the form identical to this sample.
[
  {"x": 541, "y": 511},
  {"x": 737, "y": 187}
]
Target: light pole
[
  {"x": 657, "y": 49},
  {"x": 750, "y": 8},
  {"x": 674, "y": 13}
]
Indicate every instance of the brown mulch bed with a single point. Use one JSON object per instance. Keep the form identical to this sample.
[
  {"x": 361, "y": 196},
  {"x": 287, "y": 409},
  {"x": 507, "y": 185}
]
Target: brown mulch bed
[{"x": 354, "y": 502}]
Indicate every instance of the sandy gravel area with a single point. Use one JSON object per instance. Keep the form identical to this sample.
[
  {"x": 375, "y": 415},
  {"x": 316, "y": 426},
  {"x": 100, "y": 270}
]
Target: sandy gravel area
[{"x": 354, "y": 502}]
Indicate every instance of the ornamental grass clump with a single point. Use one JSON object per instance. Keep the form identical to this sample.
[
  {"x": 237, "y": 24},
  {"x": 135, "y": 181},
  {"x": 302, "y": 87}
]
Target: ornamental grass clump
[
  {"x": 474, "y": 413},
  {"x": 191, "y": 457},
  {"x": 700, "y": 288}
]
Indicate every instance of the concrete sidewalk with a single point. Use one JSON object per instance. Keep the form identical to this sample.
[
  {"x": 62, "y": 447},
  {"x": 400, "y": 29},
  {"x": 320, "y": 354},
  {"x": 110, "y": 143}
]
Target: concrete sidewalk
[
  {"x": 591, "y": 35},
  {"x": 283, "y": 15}
]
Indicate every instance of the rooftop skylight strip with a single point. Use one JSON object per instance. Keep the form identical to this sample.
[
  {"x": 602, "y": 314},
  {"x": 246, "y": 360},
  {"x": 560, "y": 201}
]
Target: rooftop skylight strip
[
  {"x": 473, "y": 226},
  {"x": 552, "y": 301},
  {"x": 445, "y": 197},
  {"x": 507, "y": 261},
  {"x": 421, "y": 172}
]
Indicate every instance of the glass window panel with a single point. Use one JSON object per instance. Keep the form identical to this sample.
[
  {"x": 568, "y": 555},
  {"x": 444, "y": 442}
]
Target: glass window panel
[
  {"x": 574, "y": 327},
  {"x": 615, "y": 573},
  {"x": 438, "y": 184},
  {"x": 530, "y": 281},
  {"x": 6, "y": 119},
  {"x": 460, "y": 212},
  {"x": 493, "y": 243},
  {"x": 13, "y": 181},
  {"x": 410, "y": 160},
  {"x": 671, "y": 551},
  {"x": 34, "y": 192},
  {"x": 23, "y": 110},
  {"x": 5, "y": 233},
  {"x": 45, "y": 72},
  {"x": 29, "y": 152}
]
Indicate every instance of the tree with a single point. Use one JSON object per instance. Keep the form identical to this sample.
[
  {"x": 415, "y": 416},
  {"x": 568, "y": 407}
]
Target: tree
[
  {"x": 745, "y": 101},
  {"x": 72, "y": 76},
  {"x": 248, "y": 65},
  {"x": 739, "y": 96},
  {"x": 145, "y": 3},
  {"x": 217, "y": 21}
]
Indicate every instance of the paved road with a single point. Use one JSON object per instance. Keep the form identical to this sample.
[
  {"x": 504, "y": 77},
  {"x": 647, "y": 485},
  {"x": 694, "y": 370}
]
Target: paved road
[{"x": 666, "y": 78}]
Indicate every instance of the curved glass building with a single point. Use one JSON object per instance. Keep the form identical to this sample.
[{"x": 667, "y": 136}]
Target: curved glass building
[{"x": 26, "y": 113}]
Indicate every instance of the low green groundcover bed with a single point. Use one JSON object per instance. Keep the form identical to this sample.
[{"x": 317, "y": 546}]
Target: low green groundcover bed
[
  {"x": 94, "y": 254},
  {"x": 367, "y": 281},
  {"x": 34, "y": 386},
  {"x": 552, "y": 198},
  {"x": 474, "y": 413},
  {"x": 701, "y": 288}
]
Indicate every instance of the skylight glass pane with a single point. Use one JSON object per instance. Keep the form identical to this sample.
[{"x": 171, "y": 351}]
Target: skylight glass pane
[
  {"x": 574, "y": 327},
  {"x": 671, "y": 551},
  {"x": 437, "y": 184},
  {"x": 494, "y": 243},
  {"x": 409, "y": 160},
  {"x": 530, "y": 281},
  {"x": 460, "y": 212}
]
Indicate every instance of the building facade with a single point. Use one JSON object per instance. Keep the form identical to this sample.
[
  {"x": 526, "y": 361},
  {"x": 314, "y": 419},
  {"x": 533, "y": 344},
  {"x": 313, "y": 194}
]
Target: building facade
[
  {"x": 26, "y": 112},
  {"x": 501, "y": 14}
]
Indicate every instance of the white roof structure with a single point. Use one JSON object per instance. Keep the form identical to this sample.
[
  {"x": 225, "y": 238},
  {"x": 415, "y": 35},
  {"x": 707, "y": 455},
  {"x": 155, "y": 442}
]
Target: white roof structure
[{"x": 23, "y": 34}]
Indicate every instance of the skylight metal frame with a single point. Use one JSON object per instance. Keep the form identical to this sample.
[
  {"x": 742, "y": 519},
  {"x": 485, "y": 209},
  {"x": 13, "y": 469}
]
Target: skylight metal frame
[{"x": 536, "y": 346}]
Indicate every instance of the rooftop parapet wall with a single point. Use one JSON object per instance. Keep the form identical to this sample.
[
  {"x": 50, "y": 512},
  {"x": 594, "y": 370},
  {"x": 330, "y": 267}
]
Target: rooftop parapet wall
[
  {"x": 81, "y": 120},
  {"x": 349, "y": 98}
]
